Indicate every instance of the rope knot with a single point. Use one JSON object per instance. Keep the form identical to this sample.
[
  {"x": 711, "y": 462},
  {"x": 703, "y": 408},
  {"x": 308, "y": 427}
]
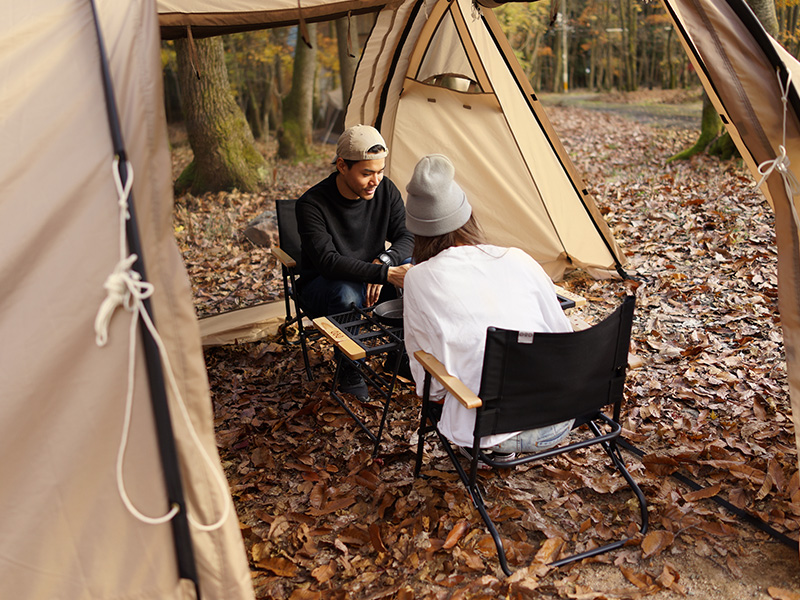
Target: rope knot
[
  {"x": 124, "y": 287},
  {"x": 780, "y": 164}
]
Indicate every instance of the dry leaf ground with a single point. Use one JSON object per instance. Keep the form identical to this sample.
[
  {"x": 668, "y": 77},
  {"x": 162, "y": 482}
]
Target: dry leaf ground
[{"x": 321, "y": 519}]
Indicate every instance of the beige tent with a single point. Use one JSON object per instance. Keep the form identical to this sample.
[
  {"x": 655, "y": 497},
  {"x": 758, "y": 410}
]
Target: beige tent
[
  {"x": 753, "y": 83},
  {"x": 737, "y": 61},
  {"x": 66, "y": 530},
  {"x": 440, "y": 76}
]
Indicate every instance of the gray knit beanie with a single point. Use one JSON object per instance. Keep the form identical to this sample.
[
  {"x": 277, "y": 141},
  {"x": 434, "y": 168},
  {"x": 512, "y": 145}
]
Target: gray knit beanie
[{"x": 435, "y": 204}]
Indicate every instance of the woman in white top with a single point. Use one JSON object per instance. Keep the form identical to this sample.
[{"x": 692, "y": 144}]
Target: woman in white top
[{"x": 457, "y": 288}]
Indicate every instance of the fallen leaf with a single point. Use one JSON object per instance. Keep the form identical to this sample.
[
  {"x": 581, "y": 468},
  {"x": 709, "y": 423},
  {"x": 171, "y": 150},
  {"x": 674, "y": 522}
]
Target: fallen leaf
[
  {"x": 660, "y": 465},
  {"x": 375, "y": 537},
  {"x": 701, "y": 494},
  {"x": 549, "y": 551},
  {"x": 655, "y": 542},
  {"x": 781, "y": 594},
  {"x": 324, "y": 572},
  {"x": 458, "y": 530},
  {"x": 641, "y": 580},
  {"x": 278, "y": 565}
]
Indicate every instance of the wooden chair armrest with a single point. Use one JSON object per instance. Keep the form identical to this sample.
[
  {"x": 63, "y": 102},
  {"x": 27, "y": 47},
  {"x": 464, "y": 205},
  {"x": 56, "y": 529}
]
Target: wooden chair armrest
[
  {"x": 285, "y": 259},
  {"x": 340, "y": 339},
  {"x": 452, "y": 384},
  {"x": 579, "y": 300}
]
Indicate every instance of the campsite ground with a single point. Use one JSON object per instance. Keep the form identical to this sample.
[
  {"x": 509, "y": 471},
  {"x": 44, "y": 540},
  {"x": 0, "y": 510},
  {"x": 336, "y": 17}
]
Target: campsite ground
[{"x": 321, "y": 519}]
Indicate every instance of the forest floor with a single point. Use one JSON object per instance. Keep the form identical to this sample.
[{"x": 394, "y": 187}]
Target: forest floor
[{"x": 322, "y": 519}]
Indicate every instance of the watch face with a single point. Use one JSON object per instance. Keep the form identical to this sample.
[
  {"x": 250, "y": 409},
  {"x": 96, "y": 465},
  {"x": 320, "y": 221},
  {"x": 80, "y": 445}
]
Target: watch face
[{"x": 385, "y": 258}]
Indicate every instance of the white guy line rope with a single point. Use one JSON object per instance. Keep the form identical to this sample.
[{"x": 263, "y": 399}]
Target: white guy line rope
[
  {"x": 781, "y": 162},
  {"x": 125, "y": 288}
]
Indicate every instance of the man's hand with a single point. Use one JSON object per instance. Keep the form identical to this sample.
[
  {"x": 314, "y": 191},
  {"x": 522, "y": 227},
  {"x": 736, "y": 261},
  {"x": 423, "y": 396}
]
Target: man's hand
[
  {"x": 397, "y": 275},
  {"x": 373, "y": 291}
]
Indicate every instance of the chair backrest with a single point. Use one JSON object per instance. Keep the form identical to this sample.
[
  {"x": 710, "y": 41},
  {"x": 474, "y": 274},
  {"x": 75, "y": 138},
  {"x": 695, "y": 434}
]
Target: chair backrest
[
  {"x": 288, "y": 233},
  {"x": 530, "y": 381}
]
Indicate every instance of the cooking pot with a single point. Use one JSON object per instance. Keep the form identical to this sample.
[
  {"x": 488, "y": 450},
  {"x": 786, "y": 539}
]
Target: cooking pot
[{"x": 390, "y": 312}]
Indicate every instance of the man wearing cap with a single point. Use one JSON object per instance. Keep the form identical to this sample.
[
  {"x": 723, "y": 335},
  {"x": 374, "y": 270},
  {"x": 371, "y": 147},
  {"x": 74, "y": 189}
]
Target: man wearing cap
[{"x": 344, "y": 222}]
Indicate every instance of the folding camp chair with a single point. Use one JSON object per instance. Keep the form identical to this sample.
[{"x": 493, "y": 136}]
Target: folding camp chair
[
  {"x": 287, "y": 252},
  {"x": 535, "y": 380}
]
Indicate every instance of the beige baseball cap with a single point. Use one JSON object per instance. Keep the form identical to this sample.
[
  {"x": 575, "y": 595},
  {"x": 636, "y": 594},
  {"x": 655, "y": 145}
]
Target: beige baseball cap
[{"x": 355, "y": 142}]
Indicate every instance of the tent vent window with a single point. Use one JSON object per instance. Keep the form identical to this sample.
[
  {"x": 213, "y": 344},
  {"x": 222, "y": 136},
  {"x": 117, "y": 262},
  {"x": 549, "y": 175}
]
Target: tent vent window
[{"x": 458, "y": 83}]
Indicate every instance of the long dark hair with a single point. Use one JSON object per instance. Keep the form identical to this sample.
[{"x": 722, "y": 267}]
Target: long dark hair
[{"x": 469, "y": 234}]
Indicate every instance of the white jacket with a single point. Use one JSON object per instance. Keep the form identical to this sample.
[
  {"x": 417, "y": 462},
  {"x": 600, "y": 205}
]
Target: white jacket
[{"x": 451, "y": 299}]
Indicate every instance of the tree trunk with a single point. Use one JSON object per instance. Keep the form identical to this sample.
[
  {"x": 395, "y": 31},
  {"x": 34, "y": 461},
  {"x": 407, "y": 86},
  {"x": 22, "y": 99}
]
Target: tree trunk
[
  {"x": 710, "y": 128},
  {"x": 765, "y": 11},
  {"x": 225, "y": 156},
  {"x": 294, "y": 137},
  {"x": 627, "y": 17}
]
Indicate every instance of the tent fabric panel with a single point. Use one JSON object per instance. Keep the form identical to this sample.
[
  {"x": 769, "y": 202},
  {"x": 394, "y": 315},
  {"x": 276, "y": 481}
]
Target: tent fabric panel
[
  {"x": 454, "y": 62},
  {"x": 490, "y": 175},
  {"x": 526, "y": 91},
  {"x": 243, "y": 325},
  {"x": 68, "y": 533},
  {"x": 547, "y": 168},
  {"x": 738, "y": 71},
  {"x": 384, "y": 62},
  {"x": 599, "y": 256},
  {"x": 217, "y": 17}
]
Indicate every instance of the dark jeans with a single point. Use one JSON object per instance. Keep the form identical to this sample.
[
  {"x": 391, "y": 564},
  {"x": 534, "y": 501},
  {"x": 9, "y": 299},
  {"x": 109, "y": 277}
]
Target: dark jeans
[{"x": 323, "y": 296}]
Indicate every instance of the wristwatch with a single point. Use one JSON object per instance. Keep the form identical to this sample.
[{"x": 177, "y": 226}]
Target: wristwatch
[{"x": 385, "y": 259}]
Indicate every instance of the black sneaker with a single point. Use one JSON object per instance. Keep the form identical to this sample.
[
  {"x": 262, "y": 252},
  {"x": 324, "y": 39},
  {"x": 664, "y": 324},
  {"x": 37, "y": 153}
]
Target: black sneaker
[{"x": 351, "y": 382}]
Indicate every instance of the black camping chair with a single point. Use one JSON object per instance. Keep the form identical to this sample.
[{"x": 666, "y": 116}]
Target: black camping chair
[
  {"x": 535, "y": 381},
  {"x": 287, "y": 252}
]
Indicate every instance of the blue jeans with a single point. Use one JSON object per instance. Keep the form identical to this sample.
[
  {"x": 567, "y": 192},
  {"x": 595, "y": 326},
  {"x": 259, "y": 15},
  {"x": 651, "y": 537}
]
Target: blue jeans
[
  {"x": 322, "y": 296},
  {"x": 535, "y": 440}
]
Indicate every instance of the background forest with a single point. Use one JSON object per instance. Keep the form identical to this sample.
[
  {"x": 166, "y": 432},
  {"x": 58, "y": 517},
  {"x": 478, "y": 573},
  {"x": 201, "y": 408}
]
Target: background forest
[{"x": 601, "y": 45}]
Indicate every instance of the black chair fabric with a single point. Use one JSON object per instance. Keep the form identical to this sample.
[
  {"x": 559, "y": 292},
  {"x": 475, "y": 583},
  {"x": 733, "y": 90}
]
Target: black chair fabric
[
  {"x": 566, "y": 375},
  {"x": 534, "y": 381},
  {"x": 289, "y": 244}
]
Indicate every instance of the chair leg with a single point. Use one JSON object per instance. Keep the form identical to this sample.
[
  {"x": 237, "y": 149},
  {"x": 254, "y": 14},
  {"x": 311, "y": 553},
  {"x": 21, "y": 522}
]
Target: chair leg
[
  {"x": 301, "y": 332},
  {"x": 477, "y": 499},
  {"x": 611, "y": 449},
  {"x": 424, "y": 429},
  {"x": 470, "y": 483}
]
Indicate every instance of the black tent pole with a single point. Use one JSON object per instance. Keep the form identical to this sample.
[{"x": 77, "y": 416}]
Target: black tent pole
[{"x": 187, "y": 568}]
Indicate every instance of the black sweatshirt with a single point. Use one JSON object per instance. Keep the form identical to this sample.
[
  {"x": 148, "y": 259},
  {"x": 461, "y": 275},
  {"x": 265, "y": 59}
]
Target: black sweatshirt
[{"x": 340, "y": 237}]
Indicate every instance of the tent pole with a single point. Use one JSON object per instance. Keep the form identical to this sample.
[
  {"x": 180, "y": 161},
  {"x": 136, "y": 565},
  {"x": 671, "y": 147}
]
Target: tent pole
[{"x": 187, "y": 568}]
